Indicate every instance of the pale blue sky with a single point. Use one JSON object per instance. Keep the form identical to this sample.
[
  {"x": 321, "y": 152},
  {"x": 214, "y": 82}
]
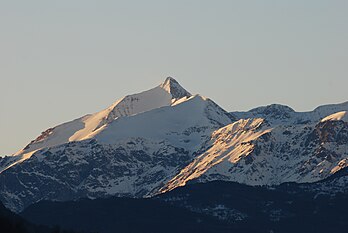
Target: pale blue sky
[{"x": 62, "y": 59}]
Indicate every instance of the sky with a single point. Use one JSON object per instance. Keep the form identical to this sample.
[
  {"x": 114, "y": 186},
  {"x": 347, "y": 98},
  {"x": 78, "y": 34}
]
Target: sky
[{"x": 60, "y": 60}]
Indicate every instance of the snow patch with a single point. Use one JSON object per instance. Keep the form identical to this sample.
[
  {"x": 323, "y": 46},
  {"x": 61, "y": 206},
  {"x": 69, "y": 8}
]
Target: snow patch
[{"x": 339, "y": 116}]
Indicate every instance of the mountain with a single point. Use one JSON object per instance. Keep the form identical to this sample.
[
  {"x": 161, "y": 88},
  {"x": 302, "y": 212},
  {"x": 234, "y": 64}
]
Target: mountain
[
  {"x": 158, "y": 140},
  {"x": 130, "y": 149},
  {"x": 208, "y": 207},
  {"x": 263, "y": 151},
  {"x": 167, "y": 94}
]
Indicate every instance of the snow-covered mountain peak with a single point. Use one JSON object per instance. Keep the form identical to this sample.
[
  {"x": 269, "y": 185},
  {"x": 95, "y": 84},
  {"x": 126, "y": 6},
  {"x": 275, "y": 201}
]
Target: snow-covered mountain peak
[
  {"x": 168, "y": 93},
  {"x": 183, "y": 124},
  {"x": 173, "y": 87},
  {"x": 158, "y": 113},
  {"x": 165, "y": 94}
]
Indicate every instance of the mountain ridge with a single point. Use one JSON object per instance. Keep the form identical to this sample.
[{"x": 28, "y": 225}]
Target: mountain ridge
[{"x": 157, "y": 140}]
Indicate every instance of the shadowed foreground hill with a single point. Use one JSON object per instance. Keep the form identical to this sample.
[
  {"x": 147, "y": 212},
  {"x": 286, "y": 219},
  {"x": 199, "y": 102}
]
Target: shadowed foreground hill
[
  {"x": 122, "y": 215},
  {"x": 12, "y": 223}
]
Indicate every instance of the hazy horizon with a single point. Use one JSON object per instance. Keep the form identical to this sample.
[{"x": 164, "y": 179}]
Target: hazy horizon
[{"x": 62, "y": 60}]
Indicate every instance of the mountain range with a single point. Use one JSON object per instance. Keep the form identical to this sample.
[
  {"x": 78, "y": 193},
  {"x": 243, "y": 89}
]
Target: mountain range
[{"x": 155, "y": 141}]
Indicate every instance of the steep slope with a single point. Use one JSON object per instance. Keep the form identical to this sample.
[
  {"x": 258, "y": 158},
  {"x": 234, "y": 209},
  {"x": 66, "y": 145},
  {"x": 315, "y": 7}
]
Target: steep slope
[
  {"x": 256, "y": 152},
  {"x": 86, "y": 127},
  {"x": 131, "y": 156},
  {"x": 168, "y": 93}
]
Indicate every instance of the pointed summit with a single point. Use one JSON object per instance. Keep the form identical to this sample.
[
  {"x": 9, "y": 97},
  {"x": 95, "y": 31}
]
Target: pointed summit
[
  {"x": 172, "y": 86},
  {"x": 90, "y": 125}
]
